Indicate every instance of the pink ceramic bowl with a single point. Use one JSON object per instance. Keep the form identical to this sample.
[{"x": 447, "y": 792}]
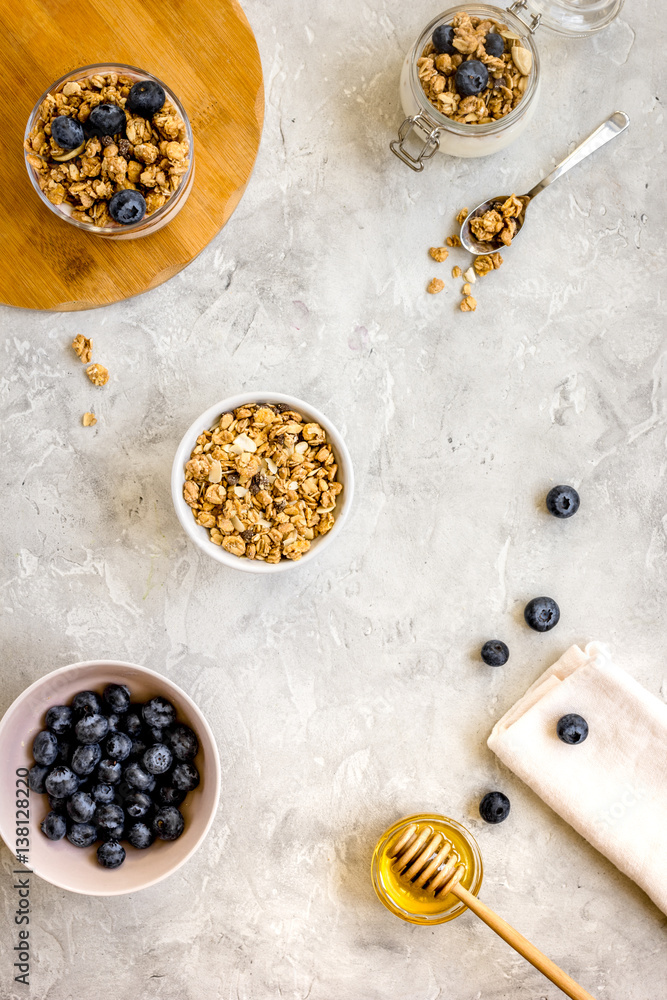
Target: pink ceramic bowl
[{"x": 76, "y": 868}]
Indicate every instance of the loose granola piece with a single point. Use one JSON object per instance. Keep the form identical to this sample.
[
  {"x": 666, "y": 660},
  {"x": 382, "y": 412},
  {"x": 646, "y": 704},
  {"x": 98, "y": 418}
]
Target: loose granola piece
[
  {"x": 467, "y": 289},
  {"x": 456, "y": 271},
  {"x": 89, "y": 419},
  {"x": 462, "y": 216},
  {"x": 83, "y": 348},
  {"x": 435, "y": 285},
  {"x": 439, "y": 253},
  {"x": 453, "y": 241},
  {"x": 468, "y": 304},
  {"x": 98, "y": 374}
]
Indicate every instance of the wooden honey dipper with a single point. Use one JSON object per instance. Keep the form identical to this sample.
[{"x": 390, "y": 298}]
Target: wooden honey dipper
[{"x": 427, "y": 860}]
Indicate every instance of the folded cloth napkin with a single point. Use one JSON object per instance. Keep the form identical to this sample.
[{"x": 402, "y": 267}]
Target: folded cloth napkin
[{"x": 612, "y": 788}]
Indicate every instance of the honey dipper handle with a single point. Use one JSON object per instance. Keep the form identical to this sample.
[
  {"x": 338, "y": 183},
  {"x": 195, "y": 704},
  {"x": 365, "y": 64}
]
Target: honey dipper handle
[{"x": 523, "y": 946}]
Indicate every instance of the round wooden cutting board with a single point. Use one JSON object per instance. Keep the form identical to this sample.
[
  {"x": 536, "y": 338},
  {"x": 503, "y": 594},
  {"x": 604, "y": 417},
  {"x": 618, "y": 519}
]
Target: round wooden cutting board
[{"x": 205, "y": 51}]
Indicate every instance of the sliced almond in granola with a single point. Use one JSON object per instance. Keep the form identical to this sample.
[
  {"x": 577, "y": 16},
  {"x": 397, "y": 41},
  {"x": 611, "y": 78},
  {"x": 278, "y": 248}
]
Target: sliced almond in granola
[{"x": 215, "y": 471}]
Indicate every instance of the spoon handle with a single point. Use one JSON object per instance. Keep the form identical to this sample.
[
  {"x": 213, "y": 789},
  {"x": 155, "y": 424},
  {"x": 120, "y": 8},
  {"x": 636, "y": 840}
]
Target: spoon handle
[{"x": 618, "y": 122}]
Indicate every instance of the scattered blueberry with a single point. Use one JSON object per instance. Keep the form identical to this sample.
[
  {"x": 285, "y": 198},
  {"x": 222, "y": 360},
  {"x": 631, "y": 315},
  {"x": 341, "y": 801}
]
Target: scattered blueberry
[
  {"x": 109, "y": 815},
  {"x": 563, "y": 501},
  {"x": 91, "y": 728},
  {"x": 140, "y": 835},
  {"x": 542, "y": 613},
  {"x": 118, "y": 746},
  {"x": 494, "y": 44},
  {"x": 494, "y": 807},
  {"x": 182, "y": 742},
  {"x": 81, "y": 807},
  {"x": 53, "y": 826},
  {"x": 135, "y": 776},
  {"x": 59, "y": 719},
  {"x": 572, "y": 729},
  {"x": 111, "y": 854},
  {"x": 137, "y": 804},
  {"x": 495, "y": 653},
  {"x": 109, "y": 771},
  {"x": 107, "y": 119},
  {"x": 36, "y": 776},
  {"x": 61, "y": 782},
  {"x": 146, "y": 98},
  {"x": 442, "y": 39},
  {"x": 117, "y": 697},
  {"x": 157, "y": 759},
  {"x": 85, "y": 759},
  {"x": 82, "y": 834},
  {"x": 45, "y": 747},
  {"x": 168, "y": 823},
  {"x": 471, "y": 77},
  {"x": 159, "y": 712},
  {"x": 102, "y": 793},
  {"x": 168, "y": 796},
  {"x": 86, "y": 703},
  {"x": 185, "y": 776},
  {"x": 67, "y": 132},
  {"x": 127, "y": 206}
]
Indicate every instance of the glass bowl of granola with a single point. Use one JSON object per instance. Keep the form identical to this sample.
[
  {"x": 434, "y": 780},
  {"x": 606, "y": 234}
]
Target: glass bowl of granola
[
  {"x": 262, "y": 482},
  {"x": 108, "y": 149},
  {"x": 470, "y": 83}
]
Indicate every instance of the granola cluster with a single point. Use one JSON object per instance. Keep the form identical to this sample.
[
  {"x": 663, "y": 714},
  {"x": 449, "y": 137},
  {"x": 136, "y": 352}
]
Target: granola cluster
[
  {"x": 151, "y": 156},
  {"x": 507, "y": 72},
  {"x": 263, "y": 481},
  {"x": 499, "y": 223}
]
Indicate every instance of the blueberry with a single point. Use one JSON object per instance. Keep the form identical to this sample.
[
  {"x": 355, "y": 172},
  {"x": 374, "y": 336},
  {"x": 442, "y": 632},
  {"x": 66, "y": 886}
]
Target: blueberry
[
  {"x": 111, "y": 854},
  {"x": 542, "y": 613},
  {"x": 145, "y": 98},
  {"x": 137, "y": 804},
  {"x": 82, "y": 834},
  {"x": 109, "y": 771},
  {"x": 135, "y": 776},
  {"x": 471, "y": 77},
  {"x": 81, "y": 807},
  {"x": 59, "y": 719},
  {"x": 107, "y": 119},
  {"x": 45, "y": 747},
  {"x": 182, "y": 742},
  {"x": 185, "y": 776},
  {"x": 114, "y": 722},
  {"x": 157, "y": 759},
  {"x": 153, "y": 734},
  {"x": 495, "y": 653},
  {"x": 133, "y": 722},
  {"x": 117, "y": 697},
  {"x": 67, "y": 132},
  {"x": 127, "y": 206},
  {"x": 61, "y": 782},
  {"x": 86, "y": 703},
  {"x": 65, "y": 747},
  {"x": 36, "y": 776},
  {"x": 53, "y": 826},
  {"x": 572, "y": 729},
  {"x": 139, "y": 747},
  {"x": 118, "y": 746},
  {"x": 494, "y": 44},
  {"x": 442, "y": 39},
  {"x": 109, "y": 815},
  {"x": 494, "y": 807},
  {"x": 140, "y": 835},
  {"x": 159, "y": 712},
  {"x": 563, "y": 501},
  {"x": 168, "y": 823},
  {"x": 86, "y": 758},
  {"x": 91, "y": 728},
  {"x": 111, "y": 832},
  {"x": 102, "y": 793},
  {"x": 169, "y": 796}
]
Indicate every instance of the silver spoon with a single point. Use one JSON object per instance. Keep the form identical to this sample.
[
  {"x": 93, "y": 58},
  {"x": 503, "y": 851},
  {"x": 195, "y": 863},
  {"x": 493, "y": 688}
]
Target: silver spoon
[{"x": 618, "y": 122}]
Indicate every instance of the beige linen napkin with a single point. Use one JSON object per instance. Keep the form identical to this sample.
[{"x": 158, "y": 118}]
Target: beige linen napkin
[{"x": 613, "y": 787}]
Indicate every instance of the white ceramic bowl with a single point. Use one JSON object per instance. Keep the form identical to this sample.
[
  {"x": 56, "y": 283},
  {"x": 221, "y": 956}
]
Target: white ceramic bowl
[
  {"x": 200, "y": 536},
  {"x": 74, "y": 868}
]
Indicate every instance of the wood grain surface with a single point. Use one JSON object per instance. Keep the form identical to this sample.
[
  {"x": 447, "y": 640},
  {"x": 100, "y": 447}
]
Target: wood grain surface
[{"x": 207, "y": 54}]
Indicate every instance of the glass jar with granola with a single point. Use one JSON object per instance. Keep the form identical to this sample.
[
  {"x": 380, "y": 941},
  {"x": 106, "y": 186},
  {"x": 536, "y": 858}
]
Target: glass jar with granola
[
  {"x": 470, "y": 84},
  {"x": 108, "y": 148}
]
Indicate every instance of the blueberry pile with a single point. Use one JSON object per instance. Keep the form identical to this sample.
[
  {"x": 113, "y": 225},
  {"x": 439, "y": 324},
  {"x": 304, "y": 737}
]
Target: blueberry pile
[{"x": 113, "y": 771}]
